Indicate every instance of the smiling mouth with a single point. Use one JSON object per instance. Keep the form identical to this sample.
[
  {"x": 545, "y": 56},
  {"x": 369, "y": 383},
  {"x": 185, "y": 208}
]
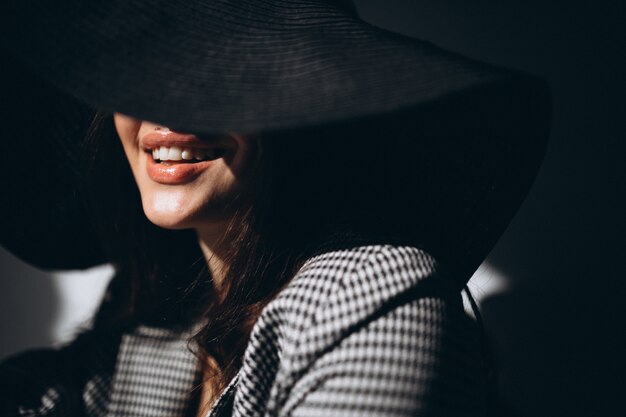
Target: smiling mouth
[{"x": 167, "y": 156}]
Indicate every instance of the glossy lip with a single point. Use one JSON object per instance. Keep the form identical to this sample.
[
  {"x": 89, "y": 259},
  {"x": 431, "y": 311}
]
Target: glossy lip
[{"x": 177, "y": 173}]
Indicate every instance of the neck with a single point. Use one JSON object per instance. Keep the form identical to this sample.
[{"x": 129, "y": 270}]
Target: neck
[{"x": 214, "y": 248}]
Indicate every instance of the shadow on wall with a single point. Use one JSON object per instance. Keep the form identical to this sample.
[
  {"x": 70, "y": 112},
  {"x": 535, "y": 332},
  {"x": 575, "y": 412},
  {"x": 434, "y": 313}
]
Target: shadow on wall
[{"x": 29, "y": 306}]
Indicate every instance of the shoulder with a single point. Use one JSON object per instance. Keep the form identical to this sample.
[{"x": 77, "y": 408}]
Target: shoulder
[
  {"x": 420, "y": 357},
  {"x": 366, "y": 274},
  {"x": 373, "y": 322},
  {"x": 340, "y": 288}
]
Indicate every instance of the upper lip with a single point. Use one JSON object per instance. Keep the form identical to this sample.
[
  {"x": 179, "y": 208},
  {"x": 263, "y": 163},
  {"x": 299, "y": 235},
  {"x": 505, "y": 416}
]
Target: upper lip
[{"x": 170, "y": 138}]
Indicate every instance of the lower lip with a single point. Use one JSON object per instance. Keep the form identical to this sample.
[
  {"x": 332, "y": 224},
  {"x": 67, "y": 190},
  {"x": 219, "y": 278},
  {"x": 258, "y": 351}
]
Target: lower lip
[{"x": 176, "y": 173}]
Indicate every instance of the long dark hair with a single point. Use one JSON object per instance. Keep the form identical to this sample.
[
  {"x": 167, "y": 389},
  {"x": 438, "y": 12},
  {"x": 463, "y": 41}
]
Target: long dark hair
[{"x": 380, "y": 177}]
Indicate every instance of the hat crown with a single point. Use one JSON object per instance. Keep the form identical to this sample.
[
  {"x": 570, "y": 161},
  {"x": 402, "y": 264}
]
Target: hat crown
[{"x": 248, "y": 13}]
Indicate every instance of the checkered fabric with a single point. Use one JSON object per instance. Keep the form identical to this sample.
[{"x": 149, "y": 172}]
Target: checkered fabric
[
  {"x": 155, "y": 375},
  {"x": 367, "y": 330}
]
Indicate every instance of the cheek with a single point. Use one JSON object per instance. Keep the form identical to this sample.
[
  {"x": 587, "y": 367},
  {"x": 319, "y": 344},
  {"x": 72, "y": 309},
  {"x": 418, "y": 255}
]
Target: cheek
[
  {"x": 246, "y": 161},
  {"x": 127, "y": 129}
]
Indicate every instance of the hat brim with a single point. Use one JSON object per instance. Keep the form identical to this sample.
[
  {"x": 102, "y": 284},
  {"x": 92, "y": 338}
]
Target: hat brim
[
  {"x": 43, "y": 217},
  {"x": 219, "y": 67}
]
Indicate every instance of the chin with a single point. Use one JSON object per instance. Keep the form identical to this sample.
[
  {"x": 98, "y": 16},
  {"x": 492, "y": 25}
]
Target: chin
[{"x": 168, "y": 210}]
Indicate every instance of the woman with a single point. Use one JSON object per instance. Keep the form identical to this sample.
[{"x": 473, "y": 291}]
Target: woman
[{"x": 292, "y": 232}]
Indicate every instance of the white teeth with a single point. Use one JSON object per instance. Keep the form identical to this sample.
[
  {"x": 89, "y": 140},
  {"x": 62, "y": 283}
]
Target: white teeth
[
  {"x": 174, "y": 154},
  {"x": 187, "y": 154}
]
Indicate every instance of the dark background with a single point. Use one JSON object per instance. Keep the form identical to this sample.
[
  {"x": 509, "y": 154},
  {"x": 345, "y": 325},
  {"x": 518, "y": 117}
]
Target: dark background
[
  {"x": 559, "y": 329},
  {"x": 558, "y": 326}
]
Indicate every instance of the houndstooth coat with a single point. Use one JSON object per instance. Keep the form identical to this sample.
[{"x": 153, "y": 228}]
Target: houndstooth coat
[{"x": 369, "y": 330}]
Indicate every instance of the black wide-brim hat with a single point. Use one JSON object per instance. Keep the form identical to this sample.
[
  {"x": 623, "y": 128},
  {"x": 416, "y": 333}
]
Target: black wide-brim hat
[{"x": 224, "y": 66}]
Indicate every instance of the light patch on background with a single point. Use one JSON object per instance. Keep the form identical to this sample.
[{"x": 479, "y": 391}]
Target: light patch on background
[
  {"x": 80, "y": 293},
  {"x": 44, "y": 309},
  {"x": 487, "y": 281}
]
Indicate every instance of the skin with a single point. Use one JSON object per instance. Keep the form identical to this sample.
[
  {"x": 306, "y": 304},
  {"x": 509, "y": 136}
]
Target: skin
[{"x": 206, "y": 203}]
